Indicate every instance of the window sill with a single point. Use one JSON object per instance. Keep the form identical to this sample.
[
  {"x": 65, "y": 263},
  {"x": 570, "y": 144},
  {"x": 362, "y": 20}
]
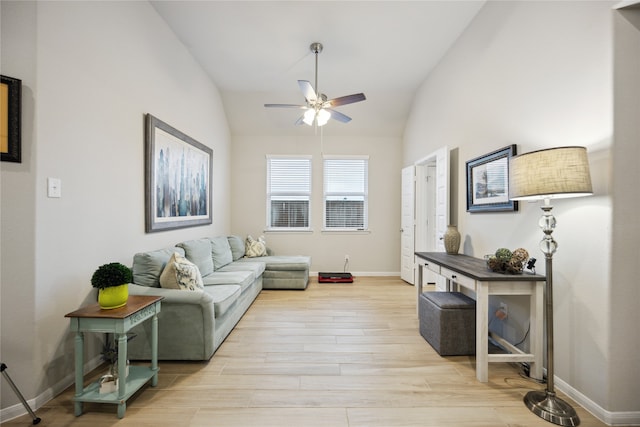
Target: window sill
[
  {"x": 288, "y": 230},
  {"x": 346, "y": 231}
]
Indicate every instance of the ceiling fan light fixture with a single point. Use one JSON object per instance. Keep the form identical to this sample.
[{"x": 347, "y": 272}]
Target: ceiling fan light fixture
[
  {"x": 323, "y": 117},
  {"x": 309, "y": 116},
  {"x": 320, "y": 117}
]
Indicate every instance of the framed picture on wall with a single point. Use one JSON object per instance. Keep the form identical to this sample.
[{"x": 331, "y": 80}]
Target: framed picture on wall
[
  {"x": 10, "y": 119},
  {"x": 488, "y": 182},
  {"x": 178, "y": 178}
]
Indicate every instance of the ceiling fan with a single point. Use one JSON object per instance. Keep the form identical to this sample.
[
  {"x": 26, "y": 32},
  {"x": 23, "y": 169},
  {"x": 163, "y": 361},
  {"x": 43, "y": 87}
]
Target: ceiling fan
[{"x": 319, "y": 108}]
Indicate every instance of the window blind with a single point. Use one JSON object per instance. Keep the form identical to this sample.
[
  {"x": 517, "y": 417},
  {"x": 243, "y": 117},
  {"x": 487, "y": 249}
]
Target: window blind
[
  {"x": 288, "y": 192},
  {"x": 346, "y": 193}
]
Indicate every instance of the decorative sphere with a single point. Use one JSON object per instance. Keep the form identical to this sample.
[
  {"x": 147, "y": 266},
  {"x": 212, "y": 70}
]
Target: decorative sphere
[
  {"x": 514, "y": 266},
  {"x": 494, "y": 263},
  {"x": 520, "y": 254},
  {"x": 503, "y": 254}
]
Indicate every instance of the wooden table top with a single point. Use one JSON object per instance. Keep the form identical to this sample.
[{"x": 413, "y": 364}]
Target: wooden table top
[
  {"x": 476, "y": 268},
  {"x": 134, "y": 304}
]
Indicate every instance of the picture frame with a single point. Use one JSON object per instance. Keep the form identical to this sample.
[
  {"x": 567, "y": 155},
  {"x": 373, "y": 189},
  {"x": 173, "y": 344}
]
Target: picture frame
[
  {"x": 488, "y": 182},
  {"x": 11, "y": 119},
  {"x": 178, "y": 178}
]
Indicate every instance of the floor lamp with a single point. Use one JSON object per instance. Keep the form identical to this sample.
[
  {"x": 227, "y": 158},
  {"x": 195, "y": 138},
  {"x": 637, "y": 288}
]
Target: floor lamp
[{"x": 544, "y": 175}]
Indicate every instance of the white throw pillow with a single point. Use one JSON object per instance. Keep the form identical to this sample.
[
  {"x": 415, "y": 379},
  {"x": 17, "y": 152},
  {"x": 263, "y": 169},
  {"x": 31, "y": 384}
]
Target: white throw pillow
[
  {"x": 182, "y": 274},
  {"x": 255, "y": 248}
]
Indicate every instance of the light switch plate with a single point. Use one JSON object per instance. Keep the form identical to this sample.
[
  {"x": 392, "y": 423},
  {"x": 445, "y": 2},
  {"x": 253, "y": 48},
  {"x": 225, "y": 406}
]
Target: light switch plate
[{"x": 54, "y": 187}]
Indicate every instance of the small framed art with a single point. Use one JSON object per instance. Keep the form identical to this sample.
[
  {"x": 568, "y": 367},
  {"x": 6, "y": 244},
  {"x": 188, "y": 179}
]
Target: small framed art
[{"x": 488, "y": 182}]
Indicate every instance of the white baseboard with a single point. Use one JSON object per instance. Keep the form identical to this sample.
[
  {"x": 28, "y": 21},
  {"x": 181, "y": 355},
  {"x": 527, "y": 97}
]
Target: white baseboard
[
  {"x": 607, "y": 417},
  {"x": 17, "y": 410}
]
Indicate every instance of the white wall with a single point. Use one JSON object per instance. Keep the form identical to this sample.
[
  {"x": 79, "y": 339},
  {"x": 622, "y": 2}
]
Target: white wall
[
  {"x": 373, "y": 252},
  {"x": 91, "y": 71},
  {"x": 625, "y": 257},
  {"x": 539, "y": 75},
  {"x": 17, "y": 208}
]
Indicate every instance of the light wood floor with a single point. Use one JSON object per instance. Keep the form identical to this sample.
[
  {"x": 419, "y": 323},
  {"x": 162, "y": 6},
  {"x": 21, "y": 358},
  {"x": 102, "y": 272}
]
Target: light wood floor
[{"x": 333, "y": 355}]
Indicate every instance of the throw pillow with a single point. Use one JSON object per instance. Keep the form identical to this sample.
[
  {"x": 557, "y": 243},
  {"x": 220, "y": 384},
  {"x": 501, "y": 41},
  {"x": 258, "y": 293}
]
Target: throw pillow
[
  {"x": 255, "y": 248},
  {"x": 182, "y": 274}
]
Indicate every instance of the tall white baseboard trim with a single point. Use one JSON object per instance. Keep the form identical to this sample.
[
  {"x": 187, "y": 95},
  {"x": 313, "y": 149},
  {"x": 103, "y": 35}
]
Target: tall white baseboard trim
[{"x": 607, "y": 417}]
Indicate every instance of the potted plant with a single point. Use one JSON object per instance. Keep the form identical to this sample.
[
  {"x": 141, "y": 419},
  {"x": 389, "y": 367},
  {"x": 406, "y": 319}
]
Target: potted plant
[{"x": 112, "y": 281}]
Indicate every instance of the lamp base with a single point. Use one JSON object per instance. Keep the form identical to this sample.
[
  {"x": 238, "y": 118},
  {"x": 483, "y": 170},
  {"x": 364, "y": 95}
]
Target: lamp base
[{"x": 551, "y": 408}]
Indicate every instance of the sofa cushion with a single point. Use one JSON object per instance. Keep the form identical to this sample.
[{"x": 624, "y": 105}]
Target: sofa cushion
[
  {"x": 199, "y": 252},
  {"x": 182, "y": 274},
  {"x": 255, "y": 248},
  {"x": 220, "y": 251},
  {"x": 244, "y": 279},
  {"x": 252, "y": 264},
  {"x": 283, "y": 262},
  {"x": 147, "y": 266},
  {"x": 237, "y": 247},
  {"x": 223, "y": 297}
]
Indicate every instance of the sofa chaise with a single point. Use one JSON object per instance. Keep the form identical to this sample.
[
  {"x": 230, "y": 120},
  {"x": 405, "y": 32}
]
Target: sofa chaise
[{"x": 193, "y": 324}]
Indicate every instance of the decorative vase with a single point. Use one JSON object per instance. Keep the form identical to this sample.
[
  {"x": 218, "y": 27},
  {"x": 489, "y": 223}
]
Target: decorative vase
[
  {"x": 113, "y": 297},
  {"x": 452, "y": 239}
]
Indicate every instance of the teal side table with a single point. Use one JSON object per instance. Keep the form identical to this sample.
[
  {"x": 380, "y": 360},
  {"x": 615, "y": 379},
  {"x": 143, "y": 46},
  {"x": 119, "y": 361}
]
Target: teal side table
[{"x": 117, "y": 321}]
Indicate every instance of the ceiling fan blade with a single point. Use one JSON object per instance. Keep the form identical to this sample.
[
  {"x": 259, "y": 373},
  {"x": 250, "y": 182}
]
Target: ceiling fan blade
[
  {"x": 300, "y": 121},
  {"x": 285, "y": 106},
  {"x": 337, "y": 115},
  {"x": 307, "y": 91},
  {"x": 344, "y": 100}
]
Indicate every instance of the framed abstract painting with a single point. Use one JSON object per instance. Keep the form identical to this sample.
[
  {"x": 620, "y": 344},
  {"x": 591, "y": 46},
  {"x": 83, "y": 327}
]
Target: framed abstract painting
[{"x": 178, "y": 183}]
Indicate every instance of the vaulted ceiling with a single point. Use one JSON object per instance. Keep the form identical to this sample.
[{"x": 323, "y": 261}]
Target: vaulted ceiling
[{"x": 255, "y": 51}]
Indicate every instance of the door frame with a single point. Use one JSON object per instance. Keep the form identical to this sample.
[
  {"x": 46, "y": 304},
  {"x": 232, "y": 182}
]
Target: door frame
[{"x": 428, "y": 235}]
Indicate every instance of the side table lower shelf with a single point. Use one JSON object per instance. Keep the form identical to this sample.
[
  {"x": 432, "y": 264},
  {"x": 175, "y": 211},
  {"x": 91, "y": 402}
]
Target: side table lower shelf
[{"x": 138, "y": 377}]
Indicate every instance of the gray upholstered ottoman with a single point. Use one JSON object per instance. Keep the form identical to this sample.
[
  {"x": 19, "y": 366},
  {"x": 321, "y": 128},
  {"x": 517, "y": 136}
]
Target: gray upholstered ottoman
[{"x": 448, "y": 322}]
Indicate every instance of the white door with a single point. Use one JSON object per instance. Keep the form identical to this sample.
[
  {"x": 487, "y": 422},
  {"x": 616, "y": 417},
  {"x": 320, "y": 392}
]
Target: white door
[{"x": 407, "y": 223}]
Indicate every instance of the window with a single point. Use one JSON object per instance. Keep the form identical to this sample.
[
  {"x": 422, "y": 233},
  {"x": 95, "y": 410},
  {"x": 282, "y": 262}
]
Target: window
[
  {"x": 346, "y": 192},
  {"x": 288, "y": 192}
]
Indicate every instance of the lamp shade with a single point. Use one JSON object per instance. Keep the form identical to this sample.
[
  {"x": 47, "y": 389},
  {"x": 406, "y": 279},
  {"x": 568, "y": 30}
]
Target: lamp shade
[{"x": 552, "y": 173}]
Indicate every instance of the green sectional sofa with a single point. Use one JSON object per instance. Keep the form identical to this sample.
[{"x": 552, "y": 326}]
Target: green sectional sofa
[{"x": 193, "y": 324}]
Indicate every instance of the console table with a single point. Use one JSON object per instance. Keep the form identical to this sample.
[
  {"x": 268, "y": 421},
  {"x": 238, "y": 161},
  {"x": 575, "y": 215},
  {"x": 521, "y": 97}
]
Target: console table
[
  {"x": 472, "y": 273},
  {"x": 117, "y": 321}
]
